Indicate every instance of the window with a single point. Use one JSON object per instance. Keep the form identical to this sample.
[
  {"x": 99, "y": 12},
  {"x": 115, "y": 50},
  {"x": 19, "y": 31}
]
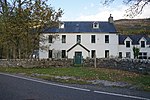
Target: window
[
  {"x": 106, "y": 38},
  {"x": 95, "y": 25},
  {"x": 63, "y": 53},
  {"x": 63, "y": 38},
  {"x": 128, "y": 55},
  {"x": 50, "y": 38},
  {"x": 142, "y": 44},
  {"x": 142, "y": 55},
  {"x": 92, "y": 38},
  {"x": 61, "y": 25},
  {"x": 120, "y": 54},
  {"x": 50, "y": 55},
  {"x": 78, "y": 38},
  {"x": 93, "y": 53},
  {"x": 128, "y": 44},
  {"x": 106, "y": 53}
]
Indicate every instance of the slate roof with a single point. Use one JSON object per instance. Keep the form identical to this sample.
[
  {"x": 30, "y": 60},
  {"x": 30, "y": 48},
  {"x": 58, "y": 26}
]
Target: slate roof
[
  {"x": 83, "y": 27},
  {"x": 135, "y": 39}
]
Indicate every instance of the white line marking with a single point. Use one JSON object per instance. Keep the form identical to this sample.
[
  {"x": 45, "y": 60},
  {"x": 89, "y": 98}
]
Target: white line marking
[
  {"x": 38, "y": 81},
  {"x": 75, "y": 88},
  {"x": 121, "y": 95}
]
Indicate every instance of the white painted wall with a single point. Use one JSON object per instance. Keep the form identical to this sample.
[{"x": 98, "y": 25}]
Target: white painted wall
[{"x": 100, "y": 46}]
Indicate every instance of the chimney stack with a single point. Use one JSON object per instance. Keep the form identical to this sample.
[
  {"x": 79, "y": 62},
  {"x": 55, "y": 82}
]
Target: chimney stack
[{"x": 110, "y": 19}]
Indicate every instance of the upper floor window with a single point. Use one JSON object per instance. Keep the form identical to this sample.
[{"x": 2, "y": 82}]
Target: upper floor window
[
  {"x": 95, "y": 25},
  {"x": 63, "y": 38},
  {"x": 50, "y": 38},
  {"x": 106, "y": 38},
  {"x": 78, "y": 38},
  {"x": 128, "y": 44},
  {"x": 61, "y": 25},
  {"x": 93, "y": 38},
  {"x": 143, "y": 44}
]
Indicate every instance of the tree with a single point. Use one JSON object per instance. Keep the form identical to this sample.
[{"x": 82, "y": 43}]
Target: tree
[
  {"x": 136, "y": 52},
  {"x": 136, "y": 6},
  {"x": 21, "y": 22}
]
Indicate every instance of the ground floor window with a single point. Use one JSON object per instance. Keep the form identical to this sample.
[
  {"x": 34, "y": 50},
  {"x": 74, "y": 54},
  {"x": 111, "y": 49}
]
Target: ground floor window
[
  {"x": 142, "y": 55},
  {"x": 106, "y": 53},
  {"x": 63, "y": 54},
  {"x": 120, "y": 54},
  {"x": 93, "y": 53},
  {"x": 50, "y": 55},
  {"x": 128, "y": 55}
]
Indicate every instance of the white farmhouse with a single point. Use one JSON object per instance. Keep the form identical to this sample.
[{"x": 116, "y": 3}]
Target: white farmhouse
[{"x": 87, "y": 39}]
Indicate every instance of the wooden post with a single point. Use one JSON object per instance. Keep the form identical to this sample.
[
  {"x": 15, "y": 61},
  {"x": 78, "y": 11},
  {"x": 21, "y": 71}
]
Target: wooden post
[{"x": 95, "y": 59}]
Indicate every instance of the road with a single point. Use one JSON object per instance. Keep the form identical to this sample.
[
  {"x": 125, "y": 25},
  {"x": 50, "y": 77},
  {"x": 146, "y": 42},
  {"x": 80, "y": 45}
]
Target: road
[{"x": 14, "y": 87}]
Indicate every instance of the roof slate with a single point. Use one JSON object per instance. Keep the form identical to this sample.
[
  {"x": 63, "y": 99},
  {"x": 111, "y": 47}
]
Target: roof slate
[
  {"x": 83, "y": 27},
  {"x": 135, "y": 39}
]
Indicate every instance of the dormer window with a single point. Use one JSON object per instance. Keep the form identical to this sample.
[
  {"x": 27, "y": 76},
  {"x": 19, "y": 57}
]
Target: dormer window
[
  {"x": 143, "y": 44},
  {"x": 128, "y": 44},
  {"x": 95, "y": 25},
  {"x": 61, "y": 25}
]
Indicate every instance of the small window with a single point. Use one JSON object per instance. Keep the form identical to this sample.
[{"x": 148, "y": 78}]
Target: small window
[
  {"x": 120, "y": 54},
  {"x": 106, "y": 38},
  {"x": 50, "y": 38},
  {"x": 78, "y": 38},
  {"x": 128, "y": 55},
  {"x": 63, "y": 38},
  {"x": 92, "y": 38},
  {"x": 142, "y": 44},
  {"x": 61, "y": 25},
  {"x": 142, "y": 55},
  {"x": 106, "y": 53},
  {"x": 63, "y": 53},
  {"x": 93, "y": 53},
  {"x": 127, "y": 44},
  {"x": 95, "y": 25},
  {"x": 50, "y": 54}
]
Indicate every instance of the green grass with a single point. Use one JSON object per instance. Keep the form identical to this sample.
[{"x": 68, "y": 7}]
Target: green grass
[{"x": 84, "y": 74}]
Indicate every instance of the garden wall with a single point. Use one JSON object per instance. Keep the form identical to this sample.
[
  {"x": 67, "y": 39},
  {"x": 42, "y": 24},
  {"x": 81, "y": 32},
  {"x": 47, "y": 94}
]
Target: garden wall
[{"x": 142, "y": 66}]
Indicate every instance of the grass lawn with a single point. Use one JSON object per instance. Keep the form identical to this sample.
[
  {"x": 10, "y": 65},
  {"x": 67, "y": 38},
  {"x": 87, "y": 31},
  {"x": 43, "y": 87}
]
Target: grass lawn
[{"x": 84, "y": 73}]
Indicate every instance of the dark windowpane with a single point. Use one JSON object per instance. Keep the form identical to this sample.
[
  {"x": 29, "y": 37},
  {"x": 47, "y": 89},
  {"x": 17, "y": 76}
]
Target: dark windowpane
[
  {"x": 78, "y": 38},
  {"x": 106, "y": 38},
  {"x": 63, "y": 53},
  {"x": 93, "y": 53},
  {"x": 92, "y": 38},
  {"x": 50, "y": 38},
  {"x": 63, "y": 38},
  {"x": 50, "y": 54},
  {"x": 120, "y": 54},
  {"x": 142, "y": 43},
  {"x": 106, "y": 53},
  {"x": 128, "y": 55},
  {"x": 127, "y": 43}
]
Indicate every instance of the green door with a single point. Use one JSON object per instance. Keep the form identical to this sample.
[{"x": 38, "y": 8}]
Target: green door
[{"x": 78, "y": 58}]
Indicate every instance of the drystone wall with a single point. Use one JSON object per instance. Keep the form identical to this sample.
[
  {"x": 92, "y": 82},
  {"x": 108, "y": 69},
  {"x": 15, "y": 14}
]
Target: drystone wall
[{"x": 136, "y": 65}]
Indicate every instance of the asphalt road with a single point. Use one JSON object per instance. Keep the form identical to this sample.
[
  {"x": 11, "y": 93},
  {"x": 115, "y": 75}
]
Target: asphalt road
[{"x": 21, "y": 88}]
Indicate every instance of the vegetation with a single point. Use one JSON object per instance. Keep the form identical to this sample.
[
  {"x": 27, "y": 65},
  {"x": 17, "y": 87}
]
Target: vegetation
[
  {"x": 135, "y": 6},
  {"x": 21, "y": 22},
  {"x": 133, "y": 26},
  {"x": 136, "y": 52},
  {"x": 84, "y": 74}
]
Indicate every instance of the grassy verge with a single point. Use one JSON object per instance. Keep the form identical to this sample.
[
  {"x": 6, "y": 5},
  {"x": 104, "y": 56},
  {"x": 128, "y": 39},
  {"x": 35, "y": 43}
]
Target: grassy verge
[{"x": 83, "y": 74}]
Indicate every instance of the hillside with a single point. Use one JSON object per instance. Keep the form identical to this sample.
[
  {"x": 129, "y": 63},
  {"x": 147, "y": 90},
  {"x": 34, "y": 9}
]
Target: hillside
[{"x": 133, "y": 26}]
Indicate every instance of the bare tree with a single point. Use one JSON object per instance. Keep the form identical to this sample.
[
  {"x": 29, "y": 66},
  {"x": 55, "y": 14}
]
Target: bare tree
[{"x": 135, "y": 6}]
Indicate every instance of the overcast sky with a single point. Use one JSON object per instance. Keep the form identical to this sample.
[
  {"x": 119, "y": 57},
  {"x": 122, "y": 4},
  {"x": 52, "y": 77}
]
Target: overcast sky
[{"x": 93, "y": 10}]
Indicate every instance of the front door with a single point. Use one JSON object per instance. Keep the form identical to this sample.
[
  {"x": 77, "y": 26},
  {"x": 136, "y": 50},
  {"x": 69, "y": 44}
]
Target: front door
[{"x": 78, "y": 58}]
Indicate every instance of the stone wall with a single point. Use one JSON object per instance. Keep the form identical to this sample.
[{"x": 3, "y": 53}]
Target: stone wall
[{"x": 142, "y": 66}]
